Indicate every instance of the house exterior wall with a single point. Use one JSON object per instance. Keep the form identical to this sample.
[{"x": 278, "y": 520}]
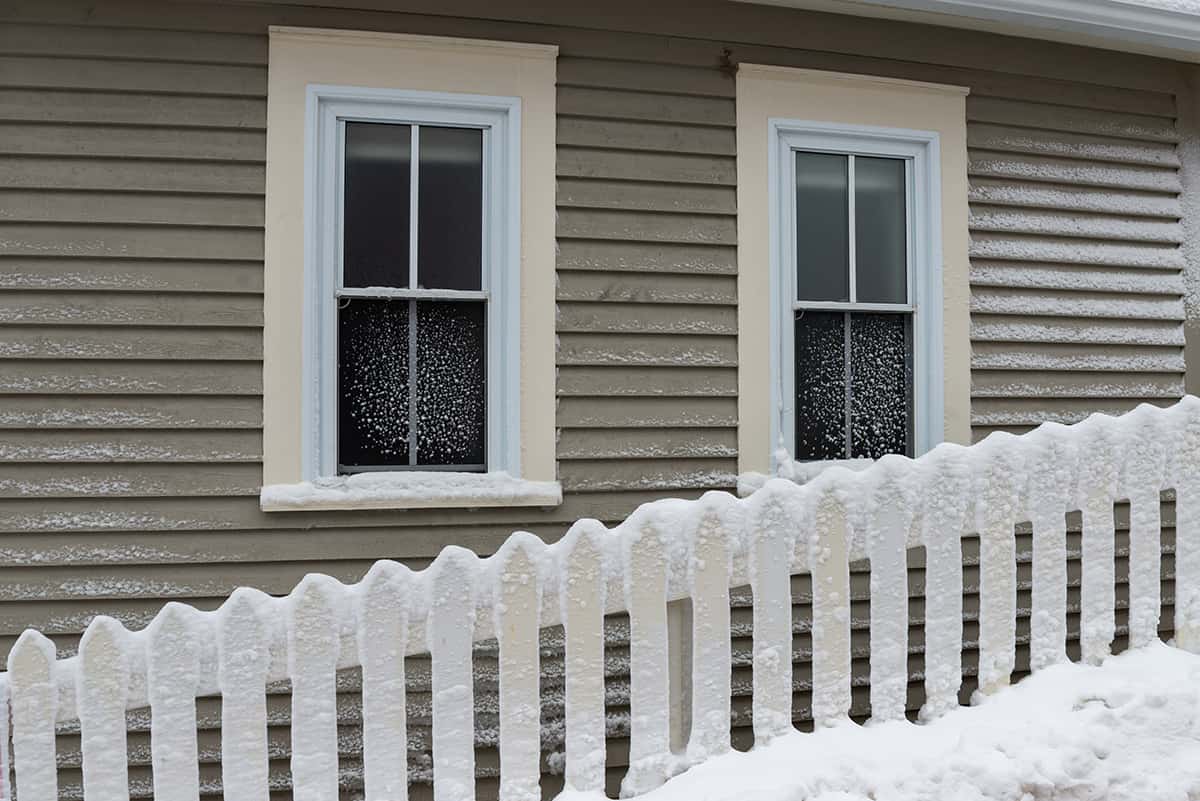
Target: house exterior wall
[{"x": 132, "y": 148}]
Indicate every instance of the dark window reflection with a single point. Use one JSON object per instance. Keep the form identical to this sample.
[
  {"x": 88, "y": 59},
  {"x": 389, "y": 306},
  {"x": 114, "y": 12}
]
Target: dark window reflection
[
  {"x": 375, "y": 206},
  {"x": 822, "y": 227},
  {"x": 450, "y": 208}
]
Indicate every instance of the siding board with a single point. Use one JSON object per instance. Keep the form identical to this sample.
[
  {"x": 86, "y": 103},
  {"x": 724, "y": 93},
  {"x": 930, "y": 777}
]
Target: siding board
[{"x": 41, "y": 341}]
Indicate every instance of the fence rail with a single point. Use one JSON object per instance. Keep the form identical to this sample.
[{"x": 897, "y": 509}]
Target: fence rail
[{"x": 665, "y": 551}]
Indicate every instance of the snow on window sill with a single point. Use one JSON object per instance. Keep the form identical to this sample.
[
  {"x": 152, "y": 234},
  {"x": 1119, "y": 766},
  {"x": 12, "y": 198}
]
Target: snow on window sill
[{"x": 409, "y": 490}]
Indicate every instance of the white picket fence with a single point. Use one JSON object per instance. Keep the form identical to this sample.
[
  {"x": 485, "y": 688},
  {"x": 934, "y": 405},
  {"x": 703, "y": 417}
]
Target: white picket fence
[{"x": 665, "y": 551}]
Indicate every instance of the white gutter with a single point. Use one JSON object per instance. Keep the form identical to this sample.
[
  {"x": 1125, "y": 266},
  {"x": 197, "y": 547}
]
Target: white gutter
[{"x": 1169, "y": 28}]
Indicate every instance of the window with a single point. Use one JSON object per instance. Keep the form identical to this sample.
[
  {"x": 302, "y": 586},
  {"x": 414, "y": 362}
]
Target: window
[
  {"x": 415, "y": 279},
  {"x": 852, "y": 311},
  {"x": 412, "y": 302},
  {"x": 853, "y": 287},
  {"x": 408, "y": 347},
  {"x": 854, "y": 258}
]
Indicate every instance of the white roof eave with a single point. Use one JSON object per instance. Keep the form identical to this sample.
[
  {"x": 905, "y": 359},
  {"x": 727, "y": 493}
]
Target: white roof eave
[{"x": 1164, "y": 28}]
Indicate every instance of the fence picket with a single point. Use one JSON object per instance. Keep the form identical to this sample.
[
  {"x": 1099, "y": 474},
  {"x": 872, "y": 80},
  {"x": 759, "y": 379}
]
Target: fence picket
[
  {"x": 996, "y": 479},
  {"x": 1186, "y": 475},
  {"x": 451, "y": 636},
  {"x": 1098, "y": 475},
  {"x": 517, "y": 613},
  {"x": 770, "y": 581},
  {"x": 830, "y": 611},
  {"x": 1051, "y": 491},
  {"x": 312, "y": 664},
  {"x": 172, "y": 671},
  {"x": 382, "y": 640},
  {"x": 710, "y": 634},
  {"x": 650, "y": 760},
  {"x": 102, "y": 690},
  {"x": 890, "y": 515},
  {"x": 1142, "y": 477},
  {"x": 581, "y": 592},
  {"x": 34, "y": 705},
  {"x": 243, "y": 658},
  {"x": 946, "y": 518}
]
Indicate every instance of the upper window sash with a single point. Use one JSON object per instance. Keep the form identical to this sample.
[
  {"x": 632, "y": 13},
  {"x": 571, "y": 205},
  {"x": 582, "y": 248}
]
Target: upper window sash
[
  {"x": 329, "y": 107},
  {"x": 920, "y": 151},
  {"x": 853, "y": 303}
]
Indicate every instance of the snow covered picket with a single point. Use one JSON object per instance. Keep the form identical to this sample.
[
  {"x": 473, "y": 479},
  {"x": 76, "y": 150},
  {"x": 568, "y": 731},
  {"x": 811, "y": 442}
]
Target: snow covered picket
[{"x": 666, "y": 551}]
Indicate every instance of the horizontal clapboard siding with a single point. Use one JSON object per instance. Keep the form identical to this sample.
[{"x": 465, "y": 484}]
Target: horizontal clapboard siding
[
  {"x": 1076, "y": 270},
  {"x": 132, "y": 142}
]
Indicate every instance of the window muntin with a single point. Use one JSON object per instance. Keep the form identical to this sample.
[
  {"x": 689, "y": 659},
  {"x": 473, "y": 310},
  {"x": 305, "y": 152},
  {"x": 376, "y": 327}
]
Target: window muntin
[
  {"x": 412, "y": 300},
  {"x": 852, "y": 313}
]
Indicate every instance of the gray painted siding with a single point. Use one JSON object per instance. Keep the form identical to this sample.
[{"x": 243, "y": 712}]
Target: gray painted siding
[{"x": 132, "y": 144}]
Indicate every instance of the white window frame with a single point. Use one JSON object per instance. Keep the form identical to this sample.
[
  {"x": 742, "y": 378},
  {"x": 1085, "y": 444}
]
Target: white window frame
[
  {"x": 920, "y": 150},
  {"x": 327, "y": 109}
]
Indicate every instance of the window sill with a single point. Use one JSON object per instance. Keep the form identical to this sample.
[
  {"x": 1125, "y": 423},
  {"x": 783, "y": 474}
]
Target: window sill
[{"x": 409, "y": 490}]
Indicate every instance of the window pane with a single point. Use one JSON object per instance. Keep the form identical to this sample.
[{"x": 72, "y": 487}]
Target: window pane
[
  {"x": 820, "y": 385},
  {"x": 822, "y": 227},
  {"x": 880, "y": 384},
  {"x": 372, "y": 382},
  {"x": 450, "y": 208},
  {"x": 451, "y": 388},
  {"x": 880, "y": 230},
  {"x": 375, "y": 205}
]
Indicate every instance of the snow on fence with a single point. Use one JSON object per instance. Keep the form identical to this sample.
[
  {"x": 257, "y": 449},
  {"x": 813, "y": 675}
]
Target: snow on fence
[{"x": 665, "y": 551}]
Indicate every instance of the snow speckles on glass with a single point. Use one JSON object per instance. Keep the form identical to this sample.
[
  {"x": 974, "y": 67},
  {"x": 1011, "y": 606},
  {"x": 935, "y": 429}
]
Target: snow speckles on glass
[
  {"x": 411, "y": 301},
  {"x": 373, "y": 412},
  {"x": 880, "y": 381},
  {"x": 820, "y": 385},
  {"x": 853, "y": 317},
  {"x": 451, "y": 401}
]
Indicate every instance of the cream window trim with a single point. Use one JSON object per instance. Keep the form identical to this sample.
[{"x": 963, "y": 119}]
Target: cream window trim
[
  {"x": 773, "y": 101},
  {"x": 515, "y": 83}
]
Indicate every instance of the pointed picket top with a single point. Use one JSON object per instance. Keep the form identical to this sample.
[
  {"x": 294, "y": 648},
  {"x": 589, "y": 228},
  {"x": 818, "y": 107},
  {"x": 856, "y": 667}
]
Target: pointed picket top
[
  {"x": 172, "y": 675},
  {"x": 948, "y": 516},
  {"x": 830, "y": 609},
  {"x": 772, "y": 535},
  {"x": 517, "y": 605},
  {"x": 451, "y": 632},
  {"x": 243, "y": 659},
  {"x": 34, "y": 705},
  {"x": 102, "y": 692},
  {"x": 383, "y": 603},
  {"x": 582, "y": 601}
]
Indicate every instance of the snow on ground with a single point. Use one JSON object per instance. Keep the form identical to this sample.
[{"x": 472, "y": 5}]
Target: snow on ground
[{"x": 1129, "y": 730}]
